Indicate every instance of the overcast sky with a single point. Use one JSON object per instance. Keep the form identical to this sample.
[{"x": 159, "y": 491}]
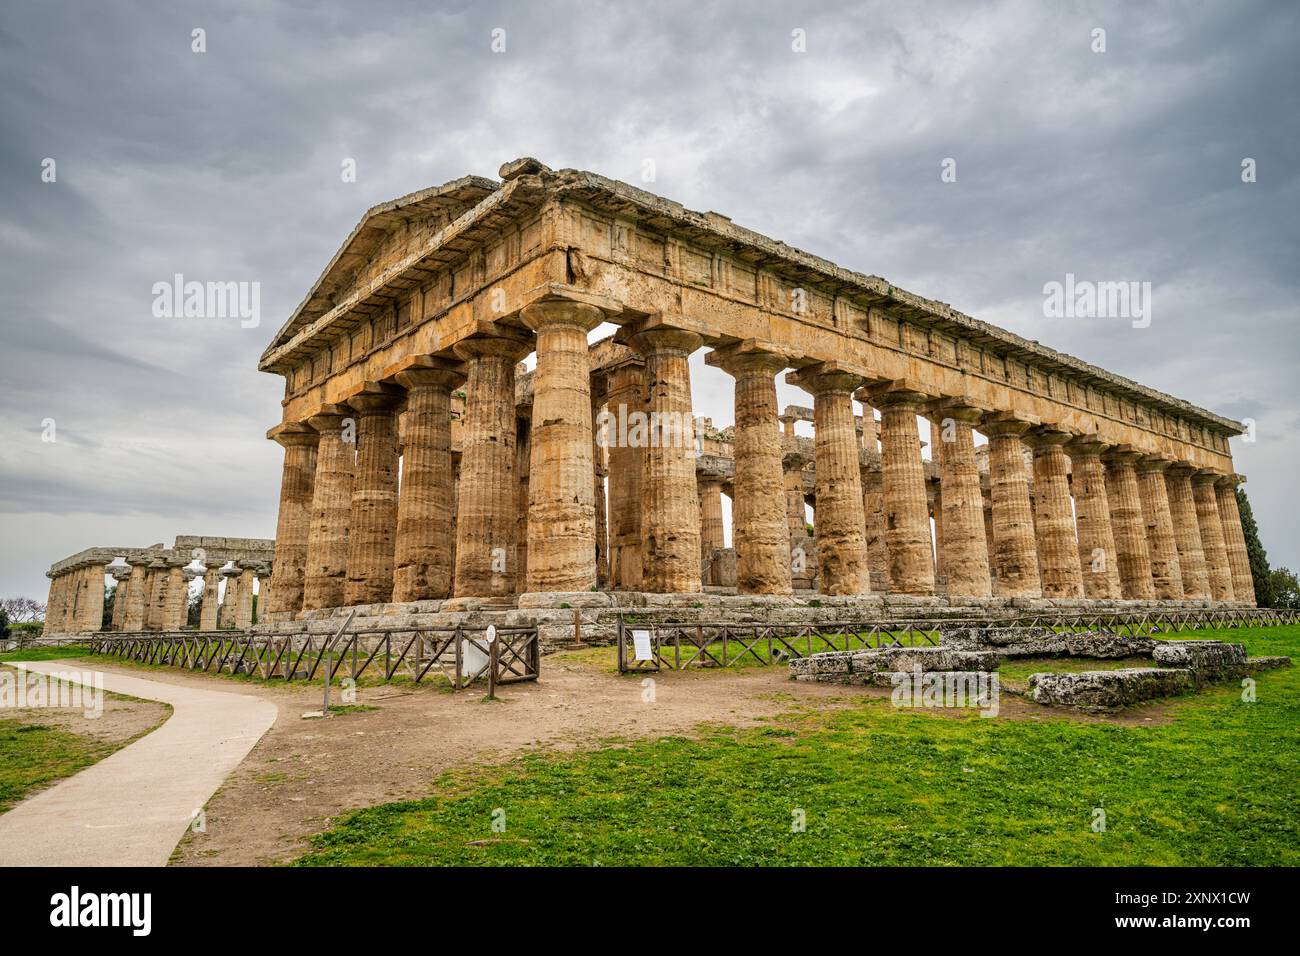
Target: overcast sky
[{"x": 225, "y": 165}]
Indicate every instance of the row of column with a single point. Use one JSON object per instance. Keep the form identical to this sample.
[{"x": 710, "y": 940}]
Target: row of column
[
  {"x": 149, "y": 597},
  {"x": 345, "y": 536}
]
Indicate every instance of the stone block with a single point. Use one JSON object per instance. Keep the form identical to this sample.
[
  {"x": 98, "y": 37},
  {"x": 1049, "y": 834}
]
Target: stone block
[
  {"x": 1102, "y": 644},
  {"x": 1207, "y": 660},
  {"x": 1107, "y": 690}
]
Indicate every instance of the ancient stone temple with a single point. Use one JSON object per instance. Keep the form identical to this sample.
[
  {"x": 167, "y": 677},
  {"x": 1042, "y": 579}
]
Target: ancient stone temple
[
  {"x": 422, "y": 464},
  {"x": 151, "y": 586}
]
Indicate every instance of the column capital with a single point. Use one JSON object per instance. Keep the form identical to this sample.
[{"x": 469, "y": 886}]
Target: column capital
[
  {"x": 1153, "y": 464},
  {"x": 1085, "y": 446},
  {"x": 375, "y": 398},
  {"x": 1230, "y": 481},
  {"x": 794, "y": 461},
  {"x": 751, "y": 355},
  {"x": 557, "y": 311},
  {"x": 960, "y": 408},
  {"x": 901, "y": 391},
  {"x": 1207, "y": 476},
  {"x": 495, "y": 340},
  {"x": 1121, "y": 455},
  {"x": 1013, "y": 423},
  {"x": 826, "y": 377},
  {"x": 432, "y": 370},
  {"x": 664, "y": 339},
  {"x": 329, "y": 418},
  {"x": 1181, "y": 469},
  {"x": 289, "y": 434},
  {"x": 1047, "y": 435}
]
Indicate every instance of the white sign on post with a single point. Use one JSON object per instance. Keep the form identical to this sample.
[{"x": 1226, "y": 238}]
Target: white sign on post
[
  {"x": 641, "y": 646},
  {"x": 491, "y": 633}
]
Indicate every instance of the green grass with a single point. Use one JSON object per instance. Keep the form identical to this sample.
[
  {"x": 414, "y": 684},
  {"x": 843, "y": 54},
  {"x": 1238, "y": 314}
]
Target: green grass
[
  {"x": 33, "y": 756},
  {"x": 1216, "y": 786},
  {"x": 46, "y": 653}
]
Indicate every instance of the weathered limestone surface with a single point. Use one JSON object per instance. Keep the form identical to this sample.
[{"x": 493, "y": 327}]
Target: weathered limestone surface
[
  {"x": 137, "y": 596},
  {"x": 423, "y": 552},
  {"x": 893, "y": 659},
  {"x": 964, "y": 541},
  {"x": 486, "y": 502},
  {"x": 1058, "y": 546},
  {"x": 1098, "y": 562},
  {"x": 325, "y": 582},
  {"x": 1211, "y": 524},
  {"x": 561, "y": 500},
  {"x": 907, "y": 514},
  {"x": 759, "y": 528},
  {"x": 1166, "y": 572},
  {"x": 711, "y": 522},
  {"x": 841, "y": 521},
  {"x": 294, "y": 522},
  {"x": 670, "y": 530},
  {"x": 1187, "y": 532},
  {"x": 211, "y": 600},
  {"x": 1015, "y": 553},
  {"x": 1129, "y": 526},
  {"x": 1106, "y": 690},
  {"x": 1243, "y": 586},
  {"x": 1206, "y": 660},
  {"x": 372, "y": 523},
  {"x": 626, "y": 465}
]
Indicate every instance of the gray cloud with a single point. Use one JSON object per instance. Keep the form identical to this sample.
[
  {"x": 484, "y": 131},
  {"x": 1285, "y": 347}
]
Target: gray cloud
[{"x": 225, "y": 165}]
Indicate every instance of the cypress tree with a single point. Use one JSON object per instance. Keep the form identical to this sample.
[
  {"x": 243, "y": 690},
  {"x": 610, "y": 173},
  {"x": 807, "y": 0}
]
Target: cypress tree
[{"x": 1259, "y": 570}]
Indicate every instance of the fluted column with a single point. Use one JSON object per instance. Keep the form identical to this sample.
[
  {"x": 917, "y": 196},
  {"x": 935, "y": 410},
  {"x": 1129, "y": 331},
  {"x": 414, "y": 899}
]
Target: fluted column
[
  {"x": 906, "y": 510},
  {"x": 1166, "y": 572},
  {"x": 1128, "y": 524},
  {"x": 793, "y": 463},
  {"x": 670, "y": 530},
  {"x": 626, "y": 394},
  {"x": 1211, "y": 525},
  {"x": 325, "y": 582},
  {"x": 712, "y": 531},
  {"x": 1057, "y": 544},
  {"x": 965, "y": 557},
  {"x": 137, "y": 595},
  {"x": 873, "y": 505},
  {"x": 244, "y": 609},
  {"x": 1098, "y": 563},
  {"x": 841, "y": 519},
  {"x": 230, "y": 602},
  {"x": 156, "y": 610},
  {"x": 53, "y": 605},
  {"x": 211, "y": 600},
  {"x": 119, "y": 599},
  {"x": 1234, "y": 537},
  {"x": 294, "y": 521},
  {"x": 600, "y": 470},
  {"x": 561, "y": 500},
  {"x": 372, "y": 522},
  {"x": 488, "y": 497},
  {"x": 422, "y": 553},
  {"x": 760, "y": 530},
  {"x": 1015, "y": 548},
  {"x": 177, "y": 601},
  {"x": 523, "y": 455},
  {"x": 1187, "y": 532}
]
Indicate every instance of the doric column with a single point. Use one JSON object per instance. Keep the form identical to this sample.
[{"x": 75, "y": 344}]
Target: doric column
[
  {"x": 905, "y": 502},
  {"x": 122, "y": 577},
  {"x": 294, "y": 521},
  {"x": 325, "y": 581},
  {"x": 670, "y": 530},
  {"x": 759, "y": 528},
  {"x": 53, "y": 605},
  {"x": 372, "y": 522},
  {"x": 1166, "y": 573},
  {"x": 873, "y": 505},
  {"x": 177, "y": 595},
  {"x": 1187, "y": 531},
  {"x": 230, "y": 602},
  {"x": 626, "y": 394},
  {"x": 488, "y": 496},
  {"x": 1211, "y": 525},
  {"x": 964, "y": 558},
  {"x": 1058, "y": 547},
  {"x": 841, "y": 519},
  {"x": 1015, "y": 549},
  {"x": 1234, "y": 538},
  {"x": 244, "y": 609},
  {"x": 1128, "y": 524},
  {"x": 793, "y": 463},
  {"x": 137, "y": 596},
  {"x": 712, "y": 532},
  {"x": 1097, "y": 556},
  {"x": 156, "y": 610},
  {"x": 422, "y": 553},
  {"x": 561, "y": 501},
  {"x": 600, "y": 470},
  {"x": 523, "y": 454},
  {"x": 211, "y": 599}
]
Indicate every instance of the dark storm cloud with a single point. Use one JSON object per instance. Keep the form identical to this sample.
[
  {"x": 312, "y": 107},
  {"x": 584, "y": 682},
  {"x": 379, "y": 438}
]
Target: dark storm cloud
[{"x": 225, "y": 166}]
